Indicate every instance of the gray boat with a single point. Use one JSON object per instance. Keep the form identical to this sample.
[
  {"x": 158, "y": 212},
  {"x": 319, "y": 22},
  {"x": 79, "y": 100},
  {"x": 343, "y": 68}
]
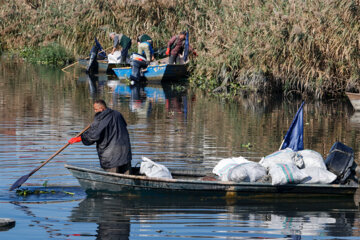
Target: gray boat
[{"x": 196, "y": 183}]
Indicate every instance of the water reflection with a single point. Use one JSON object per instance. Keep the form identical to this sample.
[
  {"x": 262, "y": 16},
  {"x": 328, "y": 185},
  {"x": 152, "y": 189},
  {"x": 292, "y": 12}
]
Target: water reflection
[
  {"x": 179, "y": 217},
  {"x": 42, "y": 108}
]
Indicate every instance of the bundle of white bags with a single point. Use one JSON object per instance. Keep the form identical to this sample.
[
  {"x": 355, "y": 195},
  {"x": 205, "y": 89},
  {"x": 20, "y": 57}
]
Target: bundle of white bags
[
  {"x": 284, "y": 166},
  {"x": 153, "y": 169}
]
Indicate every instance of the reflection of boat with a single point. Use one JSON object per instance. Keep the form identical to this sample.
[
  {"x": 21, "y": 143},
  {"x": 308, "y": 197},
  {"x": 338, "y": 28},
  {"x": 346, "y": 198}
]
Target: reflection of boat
[
  {"x": 132, "y": 215},
  {"x": 156, "y": 72},
  {"x": 354, "y": 99},
  {"x": 188, "y": 182},
  {"x": 103, "y": 65}
]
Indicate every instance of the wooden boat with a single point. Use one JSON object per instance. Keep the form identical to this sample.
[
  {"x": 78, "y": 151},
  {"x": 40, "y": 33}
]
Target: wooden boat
[
  {"x": 159, "y": 72},
  {"x": 104, "y": 66},
  {"x": 354, "y": 99},
  {"x": 194, "y": 183}
]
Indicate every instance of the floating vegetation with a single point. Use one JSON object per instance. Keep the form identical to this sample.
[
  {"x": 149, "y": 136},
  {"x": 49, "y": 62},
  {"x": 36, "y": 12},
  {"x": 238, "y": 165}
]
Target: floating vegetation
[{"x": 26, "y": 192}]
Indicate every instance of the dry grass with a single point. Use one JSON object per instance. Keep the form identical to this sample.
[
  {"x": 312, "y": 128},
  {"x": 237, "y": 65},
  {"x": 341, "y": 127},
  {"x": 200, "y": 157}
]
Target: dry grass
[{"x": 308, "y": 46}]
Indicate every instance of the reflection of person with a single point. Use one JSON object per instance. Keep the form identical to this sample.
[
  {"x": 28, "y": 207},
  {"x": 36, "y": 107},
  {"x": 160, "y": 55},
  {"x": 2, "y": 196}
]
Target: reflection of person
[
  {"x": 120, "y": 40},
  {"x": 113, "y": 230},
  {"x": 110, "y": 134},
  {"x": 176, "y": 46}
]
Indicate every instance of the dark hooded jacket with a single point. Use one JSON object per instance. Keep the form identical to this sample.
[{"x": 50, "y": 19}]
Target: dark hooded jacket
[{"x": 112, "y": 138}]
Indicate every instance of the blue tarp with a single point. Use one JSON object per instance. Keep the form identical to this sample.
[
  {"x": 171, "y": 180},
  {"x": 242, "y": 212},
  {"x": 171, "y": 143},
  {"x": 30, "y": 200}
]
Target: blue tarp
[
  {"x": 186, "y": 49},
  {"x": 294, "y": 137}
]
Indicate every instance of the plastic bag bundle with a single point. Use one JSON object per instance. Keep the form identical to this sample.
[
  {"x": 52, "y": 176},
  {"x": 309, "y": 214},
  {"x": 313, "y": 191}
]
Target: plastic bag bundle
[
  {"x": 223, "y": 166},
  {"x": 245, "y": 172},
  {"x": 312, "y": 159},
  {"x": 152, "y": 169},
  {"x": 318, "y": 175},
  {"x": 239, "y": 170},
  {"x": 282, "y": 174},
  {"x": 285, "y": 156}
]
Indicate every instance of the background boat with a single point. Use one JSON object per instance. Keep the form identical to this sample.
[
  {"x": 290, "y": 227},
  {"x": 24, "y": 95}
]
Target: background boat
[
  {"x": 104, "y": 66},
  {"x": 159, "y": 72},
  {"x": 354, "y": 99}
]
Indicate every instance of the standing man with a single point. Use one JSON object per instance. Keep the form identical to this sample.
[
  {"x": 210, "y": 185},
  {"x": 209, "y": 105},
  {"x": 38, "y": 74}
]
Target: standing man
[
  {"x": 124, "y": 42},
  {"x": 109, "y": 132},
  {"x": 176, "y": 46}
]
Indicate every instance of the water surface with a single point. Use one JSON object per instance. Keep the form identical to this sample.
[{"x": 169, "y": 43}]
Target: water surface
[{"x": 42, "y": 107}]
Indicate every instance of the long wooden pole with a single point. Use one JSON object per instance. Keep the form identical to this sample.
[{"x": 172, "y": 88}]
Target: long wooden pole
[{"x": 23, "y": 179}]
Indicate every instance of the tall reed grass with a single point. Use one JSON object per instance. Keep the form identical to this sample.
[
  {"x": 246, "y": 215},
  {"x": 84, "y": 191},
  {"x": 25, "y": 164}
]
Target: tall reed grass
[{"x": 307, "y": 47}]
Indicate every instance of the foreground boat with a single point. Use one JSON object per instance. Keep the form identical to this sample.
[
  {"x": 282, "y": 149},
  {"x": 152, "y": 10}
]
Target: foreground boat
[
  {"x": 160, "y": 72},
  {"x": 354, "y": 99},
  {"x": 194, "y": 183}
]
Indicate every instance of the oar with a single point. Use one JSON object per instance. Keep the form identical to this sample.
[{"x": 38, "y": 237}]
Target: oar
[{"x": 23, "y": 179}]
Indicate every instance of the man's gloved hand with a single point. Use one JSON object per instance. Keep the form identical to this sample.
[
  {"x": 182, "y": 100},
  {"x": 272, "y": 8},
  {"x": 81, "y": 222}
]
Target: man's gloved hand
[
  {"x": 74, "y": 140},
  {"x": 167, "y": 51}
]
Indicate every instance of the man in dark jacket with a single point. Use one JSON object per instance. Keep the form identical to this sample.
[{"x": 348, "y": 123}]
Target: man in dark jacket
[{"x": 110, "y": 134}]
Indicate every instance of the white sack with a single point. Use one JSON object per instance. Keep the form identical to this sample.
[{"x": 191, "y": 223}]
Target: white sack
[
  {"x": 152, "y": 169},
  {"x": 286, "y": 173},
  {"x": 312, "y": 159},
  {"x": 285, "y": 156},
  {"x": 318, "y": 175},
  {"x": 114, "y": 58},
  {"x": 223, "y": 166},
  {"x": 245, "y": 172}
]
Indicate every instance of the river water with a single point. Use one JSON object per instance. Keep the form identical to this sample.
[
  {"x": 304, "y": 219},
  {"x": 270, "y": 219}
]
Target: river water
[{"x": 42, "y": 107}]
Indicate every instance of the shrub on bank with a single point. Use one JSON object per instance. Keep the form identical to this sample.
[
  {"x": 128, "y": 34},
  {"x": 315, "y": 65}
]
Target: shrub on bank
[{"x": 53, "y": 54}]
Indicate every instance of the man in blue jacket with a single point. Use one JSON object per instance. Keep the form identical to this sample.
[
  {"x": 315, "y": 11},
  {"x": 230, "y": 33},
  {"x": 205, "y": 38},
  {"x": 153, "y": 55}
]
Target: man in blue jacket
[{"x": 109, "y": 132}]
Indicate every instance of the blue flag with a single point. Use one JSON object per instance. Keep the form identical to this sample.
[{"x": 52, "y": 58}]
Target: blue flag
[
  {"x": 294, "y": 136},
  {"x": 186, "y": 48}
]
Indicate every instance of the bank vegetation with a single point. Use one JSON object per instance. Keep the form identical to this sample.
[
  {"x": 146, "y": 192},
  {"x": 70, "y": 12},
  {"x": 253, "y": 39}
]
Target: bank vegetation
[{"x": 311, "y": 48}]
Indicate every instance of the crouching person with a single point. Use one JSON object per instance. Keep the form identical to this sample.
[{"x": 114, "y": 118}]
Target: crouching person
[{"x": 137, "y": 62}]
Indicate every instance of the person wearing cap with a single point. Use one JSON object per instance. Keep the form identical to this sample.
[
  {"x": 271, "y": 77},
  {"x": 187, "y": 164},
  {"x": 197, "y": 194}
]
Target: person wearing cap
[
  {"x": 121, "y": 40},
  {"x": 145, "y": 47},
  {"x": 175, "y": 47}
]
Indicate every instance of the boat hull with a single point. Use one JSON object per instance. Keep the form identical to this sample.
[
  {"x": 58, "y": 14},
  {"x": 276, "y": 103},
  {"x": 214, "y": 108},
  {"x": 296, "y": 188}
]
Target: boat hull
[
  {"x": 354, "y": 99},
  {"x": 160, "y": 72},
  {"x": 98, "y": 181},
  {"x": 103, "y": 66}
]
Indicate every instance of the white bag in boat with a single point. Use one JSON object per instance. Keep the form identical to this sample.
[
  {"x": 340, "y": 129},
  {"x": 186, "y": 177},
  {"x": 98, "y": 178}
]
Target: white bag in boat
[
  {"x": 239, "y": 170},
  {"x": 223, "y": 166},
  {"x": 312, "y": 159},
  {"x": 285, "y": 156},
  {"x": 246, "y": 172},
  {"x": 114, "y": 58},
  {"x": 152, "y": 169},
  {"x": 286, "y": 173},
  {"x": 318, "y": 175}
]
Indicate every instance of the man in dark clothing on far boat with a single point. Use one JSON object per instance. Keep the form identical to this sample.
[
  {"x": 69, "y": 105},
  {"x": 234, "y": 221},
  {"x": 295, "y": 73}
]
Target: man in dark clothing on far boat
[
  {"x": 176, "y": 46},
  {"x": 124, "y": 42},
  {"x": 109, "y": 132}
]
